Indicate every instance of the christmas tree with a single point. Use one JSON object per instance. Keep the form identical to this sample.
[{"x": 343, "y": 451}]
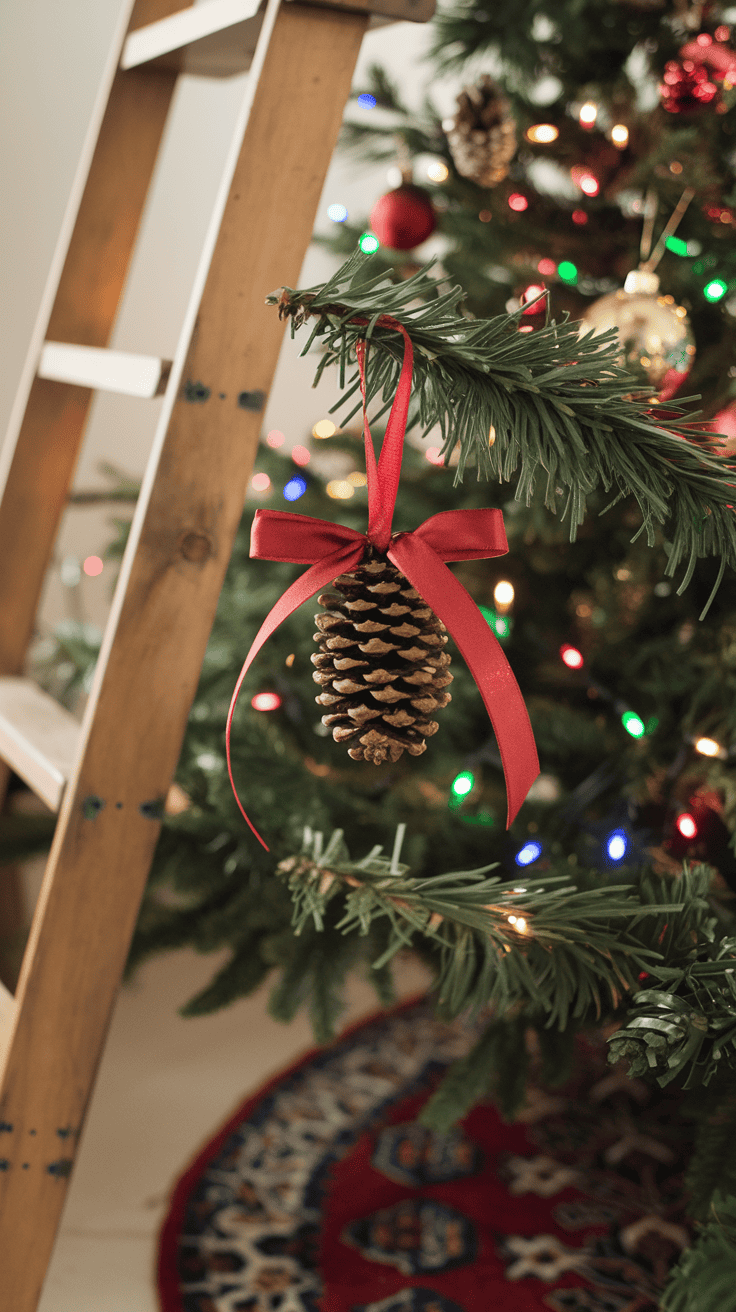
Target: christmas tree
[{"x": 590, "y": 146}]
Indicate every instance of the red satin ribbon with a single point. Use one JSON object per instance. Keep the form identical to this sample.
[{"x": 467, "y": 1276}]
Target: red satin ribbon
[{"x": 332, "y": 549}]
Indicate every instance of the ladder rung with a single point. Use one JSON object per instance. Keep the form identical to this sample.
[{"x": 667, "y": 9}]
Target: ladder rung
[
  {"x": 38, "y": 738},
  {"x": 110, "y": 371},
  {"x": 215, "y": 39},
  {"x": 8, "y": 1007}
]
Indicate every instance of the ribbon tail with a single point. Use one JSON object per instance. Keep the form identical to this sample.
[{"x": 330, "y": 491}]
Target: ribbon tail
[
  {"x": 300, "y": 591},
  {"x": 485, "y": 660}
]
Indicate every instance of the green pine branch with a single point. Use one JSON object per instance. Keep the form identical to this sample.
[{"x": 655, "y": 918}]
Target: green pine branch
[
  {"x": 561, "y": 407},
  {"x": 712, "y": 1166},
  {"x": 685, "y": 1030},
  {"x": 703, "y": 1280},
  {"x": 542, "y": 943}
]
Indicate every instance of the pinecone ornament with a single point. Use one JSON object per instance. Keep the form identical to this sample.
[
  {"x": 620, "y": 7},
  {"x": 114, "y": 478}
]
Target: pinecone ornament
[
  {"x": 381, "y": 664},
  {"x": 482, "y": 139}
]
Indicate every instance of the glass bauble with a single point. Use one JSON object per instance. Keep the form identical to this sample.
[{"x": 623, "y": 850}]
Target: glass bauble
[{"x": 658, "y": 346}]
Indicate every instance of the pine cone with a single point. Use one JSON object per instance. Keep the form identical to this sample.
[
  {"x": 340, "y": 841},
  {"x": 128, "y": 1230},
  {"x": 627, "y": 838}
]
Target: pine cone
[
  {"x": 380, "y": 664},
  {"x": 482, "y": 139}
]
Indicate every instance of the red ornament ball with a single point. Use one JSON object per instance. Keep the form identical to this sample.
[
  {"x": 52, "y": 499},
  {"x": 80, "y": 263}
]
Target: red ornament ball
[
  {"x": 686, "y": 87},
  {"x": 403, "y": 218}
]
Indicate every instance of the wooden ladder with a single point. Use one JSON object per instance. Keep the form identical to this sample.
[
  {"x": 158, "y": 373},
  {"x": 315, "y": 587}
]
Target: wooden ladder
[{"x": 108, "y": 778}]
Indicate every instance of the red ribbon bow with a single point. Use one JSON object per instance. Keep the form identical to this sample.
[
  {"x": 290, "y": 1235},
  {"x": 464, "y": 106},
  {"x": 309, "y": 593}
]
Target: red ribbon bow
[{"x": 332, "y": 549}]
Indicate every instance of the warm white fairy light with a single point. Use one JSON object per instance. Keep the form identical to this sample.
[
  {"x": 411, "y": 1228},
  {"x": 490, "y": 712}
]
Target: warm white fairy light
[
  {"x": 324, "y": 428},
  {"x": 620, "y": 135},
  {"x": 438, "y": 172},
  {"x": 340, "y": 489},
  {"x": 542, "y": 134},
  {"x": 503, "y": 594},
  {"x": 518, "y": 923},
  {"x": 588, "y": 114},
  {"x": 707, "y": 747}
]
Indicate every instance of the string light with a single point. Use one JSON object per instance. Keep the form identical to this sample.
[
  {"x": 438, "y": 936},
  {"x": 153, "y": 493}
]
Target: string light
[
  {"x": 686, "y": 825},
  {"x": 585, "y": 180},
  {"x": 260, "y": 483},
  {"x": 518, "y": 202},
  {"x": 338, "y": 213},
  {"x": 546, "y": 268},
  {"x": 529, "y": 853},
  {"x": 567, "y": 271},
  {"x": 340, "y": 489},
  {"x": 366, "y": 100},
  {"x": 542, "y": 134},
  {"x": 438, "y": 172},
  {"x": 588, "y": 114},
  {"x": 676, "y": 245},
  {"x": 368, "y": 243},
  {"x": 503, "y": 594},
  {"x": 715, "y": 290},
  {"x": 300, "y": 455},
  {"x": 463, "y": 783},
  {"x": 579, "y": 217},
  {"x": 357, "y": 478},
  {"x": 324, "y": 428},
  {"x": 499, "y": 623},
  {"x": 485, "y": 216},
  {"x": 295, "y": 488},
  {"x": 571, "y": 657},
  {"x": 265, "y": 701},
  {"x": 533, "y": 299},
  {"x": 434, "y": 455},
  {"x": 707, "y": 747},
  {"x": 518, "y": 923},
  {"x": 93, "y": 566},
  {"x": 633, "y": 724},
  {"x": 290, "y": 660},
  {"x": 620, "y": 135},
  {"x": 616, "y": 845},
  {"x": 275, "y": 438}
]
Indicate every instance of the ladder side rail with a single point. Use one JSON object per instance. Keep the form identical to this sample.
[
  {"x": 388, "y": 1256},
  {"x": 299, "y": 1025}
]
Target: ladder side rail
[
  {"x": 185, "y": 523},
  {"x": 79, "y": 306}
]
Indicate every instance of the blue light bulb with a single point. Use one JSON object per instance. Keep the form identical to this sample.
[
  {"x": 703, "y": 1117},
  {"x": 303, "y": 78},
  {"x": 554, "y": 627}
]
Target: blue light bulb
[
  {"x": 616, "y": 845},
  {"x": 367, "y": 100},
  {"x": 528, "y": 853},
  {"x": 295, "y": 488}
]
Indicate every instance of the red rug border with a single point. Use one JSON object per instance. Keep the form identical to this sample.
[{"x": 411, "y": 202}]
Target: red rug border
[{"x": 167, "y": 1276}]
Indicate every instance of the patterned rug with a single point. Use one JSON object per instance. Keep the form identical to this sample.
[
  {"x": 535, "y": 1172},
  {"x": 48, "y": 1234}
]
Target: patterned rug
[{"x": 322, "y": 1194}]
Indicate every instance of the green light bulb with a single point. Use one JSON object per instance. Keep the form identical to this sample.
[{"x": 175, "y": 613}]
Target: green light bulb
[
  {"x": 368, "y": 243},
  {"x": 715, "y": 290},
  {"x": 463, "y": 783},
  {"x": 676, "y": 245},
  {"x": 567, "y": 271},
  {"x": 633, "y": 724}
]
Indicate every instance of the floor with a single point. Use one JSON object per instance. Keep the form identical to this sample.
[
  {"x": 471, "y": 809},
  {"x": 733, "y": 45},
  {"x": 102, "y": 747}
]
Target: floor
[{"x": 164, "y": 1086}]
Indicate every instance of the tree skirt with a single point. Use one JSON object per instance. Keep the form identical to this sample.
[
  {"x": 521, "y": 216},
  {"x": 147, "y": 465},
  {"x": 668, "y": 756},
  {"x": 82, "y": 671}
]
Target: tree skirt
[{"x": 322, "y": 1194}]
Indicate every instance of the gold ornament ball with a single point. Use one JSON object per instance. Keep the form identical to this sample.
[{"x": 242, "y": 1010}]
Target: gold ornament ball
[{"x": 658, "y": 346}]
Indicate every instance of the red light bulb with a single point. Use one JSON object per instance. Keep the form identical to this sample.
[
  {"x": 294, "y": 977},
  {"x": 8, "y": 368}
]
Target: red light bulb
[
  {"x": 686, "y": 825},
  {"x": 571, "y": 657}
]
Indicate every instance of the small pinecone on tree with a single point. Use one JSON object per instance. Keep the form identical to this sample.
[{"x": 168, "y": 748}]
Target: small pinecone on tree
[
  {"x": 381, "y": 664},
  {"x": 482, "y": 139}
]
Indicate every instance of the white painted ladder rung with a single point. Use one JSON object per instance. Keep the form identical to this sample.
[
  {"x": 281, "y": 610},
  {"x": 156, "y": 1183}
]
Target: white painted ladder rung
[
  {"x": 215, "y": 39},
  {"x": 38, "y": 738},
  {"x": 109, "y": 371}
]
